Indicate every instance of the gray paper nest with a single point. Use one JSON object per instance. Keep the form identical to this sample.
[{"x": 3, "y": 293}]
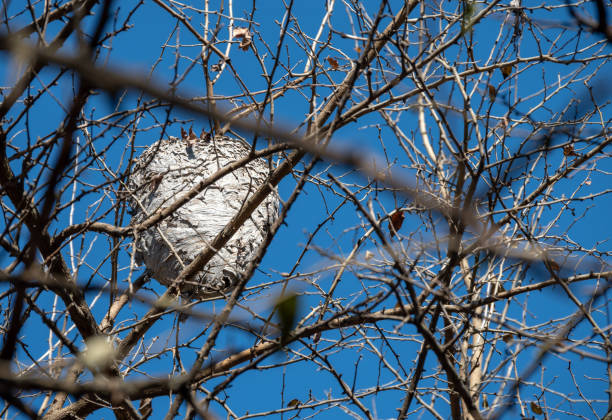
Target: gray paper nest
[{"x": 170, "y": 168}]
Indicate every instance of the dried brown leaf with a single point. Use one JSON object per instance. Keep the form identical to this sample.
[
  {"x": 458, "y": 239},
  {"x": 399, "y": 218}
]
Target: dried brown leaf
[
  {"x": 245, "y": 37},
  {"x": 569, "y": 150},
  {"x": 241, "y": 32},
  {"x": 191, "y": 138},
  {"x": 536, "y": 408},
  {"x": 397, "y": 219},
  {"x": 333, "y": 63},
  {"x": 506, "y": 70},
  {"x": 492, "y": 92}
]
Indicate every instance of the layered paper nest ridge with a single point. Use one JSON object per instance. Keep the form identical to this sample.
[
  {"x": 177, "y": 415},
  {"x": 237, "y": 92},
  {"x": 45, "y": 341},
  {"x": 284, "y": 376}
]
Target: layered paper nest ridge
[{"x": 167, "y": 170}]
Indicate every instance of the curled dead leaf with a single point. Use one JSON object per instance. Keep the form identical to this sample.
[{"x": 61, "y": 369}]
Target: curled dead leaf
[
  {"x": 397, "y": 219},
  {"x": 506, "y": 70},
  {"x": 333, "y": 63},
  {"x": 569, "y": 150},
  {"x": 536, "y": 408},
  {"x": 204, "y": 135},
  {"x": 245, "y": 37},
  {"x": 191, "y": 138},
  {"x": 492, "y": 92}
]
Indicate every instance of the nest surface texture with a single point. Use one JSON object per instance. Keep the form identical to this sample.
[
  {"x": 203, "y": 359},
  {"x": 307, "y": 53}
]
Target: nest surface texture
[{"x": 170, "y": 168}]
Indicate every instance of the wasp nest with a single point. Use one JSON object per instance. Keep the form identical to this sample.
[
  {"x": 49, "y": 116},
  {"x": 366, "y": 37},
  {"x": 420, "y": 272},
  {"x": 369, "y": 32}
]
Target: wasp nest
[{"x": 166, "y": 171}]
